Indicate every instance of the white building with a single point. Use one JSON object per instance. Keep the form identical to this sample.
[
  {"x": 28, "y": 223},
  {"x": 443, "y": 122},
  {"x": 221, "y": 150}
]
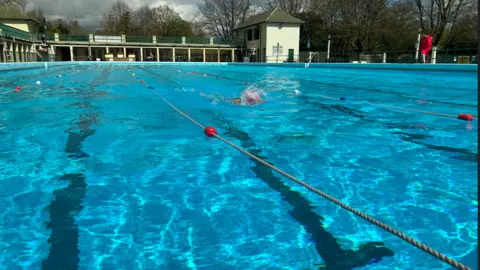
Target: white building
[{"x": 260, "y": 35}]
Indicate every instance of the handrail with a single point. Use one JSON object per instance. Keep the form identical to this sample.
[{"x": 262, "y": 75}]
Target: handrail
[{"x": 310, "y": 58}]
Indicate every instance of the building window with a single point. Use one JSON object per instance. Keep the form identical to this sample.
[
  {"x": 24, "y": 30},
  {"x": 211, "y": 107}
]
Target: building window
[
  {"x": 250, "y": 34},
  {"x": 257, "y": 33}
]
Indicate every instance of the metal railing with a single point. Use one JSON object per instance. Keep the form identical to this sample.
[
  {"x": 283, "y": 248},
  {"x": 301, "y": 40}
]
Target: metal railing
[
  {"x": 161, "y": 39},
  {"x": 65, "y": 37},
  {"x": 224, "y": 41},
  {"x": 139, "y": 39},
  {"x": 48, "y": 36},
  {"x": 197, "y": 40},
  {"x": 442, "y": 56},
  {"x": 9, "y": 31}
]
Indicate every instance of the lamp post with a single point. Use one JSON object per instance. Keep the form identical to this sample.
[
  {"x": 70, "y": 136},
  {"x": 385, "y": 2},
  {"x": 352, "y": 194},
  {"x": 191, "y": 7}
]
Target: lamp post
[{"x": 417, "y": 47}]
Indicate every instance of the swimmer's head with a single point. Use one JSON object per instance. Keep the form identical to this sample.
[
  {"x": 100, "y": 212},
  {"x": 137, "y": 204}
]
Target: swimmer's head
[
  {"x": 251, "y": 96},
  {"x": 237, "y": 101}
]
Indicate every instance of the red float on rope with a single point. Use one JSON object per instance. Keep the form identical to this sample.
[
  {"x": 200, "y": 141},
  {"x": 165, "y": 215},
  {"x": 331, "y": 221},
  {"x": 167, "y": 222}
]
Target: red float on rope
[
  {"x": 466, "y": 117},
  {"x": 142, "y": 81},
  {"x": 17, "y": 88},
  {"x": 210, "y": 131}
]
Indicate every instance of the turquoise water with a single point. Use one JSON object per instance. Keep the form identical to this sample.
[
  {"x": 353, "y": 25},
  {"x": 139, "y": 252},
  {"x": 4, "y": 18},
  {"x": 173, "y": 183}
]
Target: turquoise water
[{"x": 97, "y": 172}]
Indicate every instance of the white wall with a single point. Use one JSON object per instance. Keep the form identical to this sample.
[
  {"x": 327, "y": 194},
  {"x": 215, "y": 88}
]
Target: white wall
[
  {"x": 263, "y": 37},
  {"x": 288, "y": 37}
]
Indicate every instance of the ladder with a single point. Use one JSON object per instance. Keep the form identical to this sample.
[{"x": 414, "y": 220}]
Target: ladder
[{"x": 310, "y": 58}]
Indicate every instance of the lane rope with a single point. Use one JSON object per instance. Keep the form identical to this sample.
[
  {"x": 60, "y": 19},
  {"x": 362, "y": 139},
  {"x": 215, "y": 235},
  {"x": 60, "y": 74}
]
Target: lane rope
[
  {"x": 211, "y": 132},
  {"x": 461, "y": 116},
  {"x": 6, "y": 92}
]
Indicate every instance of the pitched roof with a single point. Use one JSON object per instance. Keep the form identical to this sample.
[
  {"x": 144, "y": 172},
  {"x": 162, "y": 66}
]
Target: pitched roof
[
  {"x": 11, "y": 13},
  {"x": 273, "y": 16}
]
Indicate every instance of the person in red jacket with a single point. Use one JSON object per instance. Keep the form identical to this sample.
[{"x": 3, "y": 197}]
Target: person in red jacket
[{"x": 425, "y": 47}]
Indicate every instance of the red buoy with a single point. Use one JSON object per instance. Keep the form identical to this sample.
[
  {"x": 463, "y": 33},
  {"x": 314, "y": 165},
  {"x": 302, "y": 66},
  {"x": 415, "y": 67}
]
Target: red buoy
[
  {"x": 17, "y": 88},
  {"x": 466, "y": 117},
  {"x": 210, "y": 131},
  {"x": 142, "y": 81}
]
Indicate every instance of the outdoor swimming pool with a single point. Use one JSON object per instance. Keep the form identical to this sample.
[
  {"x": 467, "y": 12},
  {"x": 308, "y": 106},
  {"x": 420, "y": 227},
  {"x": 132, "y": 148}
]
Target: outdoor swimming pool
[{"x": 97, "y": 172}]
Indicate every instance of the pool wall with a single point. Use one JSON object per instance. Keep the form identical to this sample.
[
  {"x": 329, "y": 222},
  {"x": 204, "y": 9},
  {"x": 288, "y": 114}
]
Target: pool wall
[
  {"x": 429, "y": 67},
  {"x": 15, "y": 66}
]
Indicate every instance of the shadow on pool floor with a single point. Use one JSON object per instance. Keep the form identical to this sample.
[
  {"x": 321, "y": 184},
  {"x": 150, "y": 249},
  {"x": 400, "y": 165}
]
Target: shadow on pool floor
[{"x": 326, "y": 245}]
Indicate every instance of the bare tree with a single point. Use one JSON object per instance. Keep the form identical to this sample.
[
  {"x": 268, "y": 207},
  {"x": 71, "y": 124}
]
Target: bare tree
[
  {"x": 293, "y": 7},
  {"x": 463, "y": 33},
  {"x": 144, "y": 21},
  {"x": 436, "y": 15},
  {"x": 198, "y": 28},
  {"x": 7, "y": 2},
  {"x": 117, "y": 19},
  {"x": 20, "y": 4},
  {"x": 359, "y": 19},
  {"x": 221, "y": 17},
  {"x": 397, "y": 27},
  {"x": 167, "y": 21},
  {"x": 328, "y": 12}
]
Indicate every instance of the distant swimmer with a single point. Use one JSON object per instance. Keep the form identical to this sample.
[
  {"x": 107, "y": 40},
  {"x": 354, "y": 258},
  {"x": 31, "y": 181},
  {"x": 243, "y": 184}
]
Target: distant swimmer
[
  {"x": 247, "y": 98},
  {"x": 251, "y": 96},
  {"x": 216, "y": 98}
]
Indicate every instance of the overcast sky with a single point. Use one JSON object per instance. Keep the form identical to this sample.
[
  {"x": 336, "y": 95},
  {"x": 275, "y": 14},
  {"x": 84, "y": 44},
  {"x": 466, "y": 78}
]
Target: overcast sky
[{"x": 89, "y": 12}]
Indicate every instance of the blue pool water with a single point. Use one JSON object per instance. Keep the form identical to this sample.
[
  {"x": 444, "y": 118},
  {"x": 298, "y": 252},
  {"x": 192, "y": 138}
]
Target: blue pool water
[{"x": 97, "y": 172}]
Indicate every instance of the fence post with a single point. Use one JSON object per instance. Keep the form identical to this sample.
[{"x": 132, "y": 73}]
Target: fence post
[
  {"x": 434, "y": 55},
  {"x": 211, "y": 40},
  {"x": 417, "y": 45},
  {"x": 328, "y": 48},
  {"x": 154, "y": 39},
  {"x": 183, "y": 40},
  {"x": 57, "y": 38},
  {"x": 71, "y": 54},
  {"x": 124, "y": 38},
  {"x": 90, "y": 37},
  {"x": 384, "y": 57}
]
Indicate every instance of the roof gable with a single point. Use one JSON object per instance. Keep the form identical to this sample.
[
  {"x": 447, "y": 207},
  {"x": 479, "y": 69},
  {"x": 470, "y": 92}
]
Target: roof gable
[{"x": 274, "y": 16}]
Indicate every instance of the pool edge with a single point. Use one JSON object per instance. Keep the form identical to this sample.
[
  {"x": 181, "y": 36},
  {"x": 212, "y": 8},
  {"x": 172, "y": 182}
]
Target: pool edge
[
  {"x": 423, "y": 67},
  {"x": 32, "y": 65},
  {"x": 428, "y": 67}
]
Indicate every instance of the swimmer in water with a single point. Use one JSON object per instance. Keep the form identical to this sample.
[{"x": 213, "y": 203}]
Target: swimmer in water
[{"x": 235, "y": 101}]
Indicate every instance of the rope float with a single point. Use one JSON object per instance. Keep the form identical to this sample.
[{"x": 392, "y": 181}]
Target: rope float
[
  {"x": 462, "y": 116},
  {"x": 212, "y": 132}
]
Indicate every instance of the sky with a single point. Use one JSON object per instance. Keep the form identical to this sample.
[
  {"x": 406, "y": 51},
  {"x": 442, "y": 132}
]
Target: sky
[{"x": 89, "y": 13}]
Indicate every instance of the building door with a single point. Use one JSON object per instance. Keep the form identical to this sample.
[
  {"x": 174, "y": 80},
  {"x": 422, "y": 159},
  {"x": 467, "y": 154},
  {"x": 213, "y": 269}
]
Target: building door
[{"x": 290, "y": 55}]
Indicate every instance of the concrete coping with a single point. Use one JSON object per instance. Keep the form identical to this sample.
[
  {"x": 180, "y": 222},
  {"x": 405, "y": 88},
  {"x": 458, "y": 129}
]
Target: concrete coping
[{"x": 420, "y": 67}]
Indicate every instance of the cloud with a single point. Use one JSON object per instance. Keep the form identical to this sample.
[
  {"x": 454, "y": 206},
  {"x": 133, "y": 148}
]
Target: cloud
[{"x": 89, "y": 13}]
